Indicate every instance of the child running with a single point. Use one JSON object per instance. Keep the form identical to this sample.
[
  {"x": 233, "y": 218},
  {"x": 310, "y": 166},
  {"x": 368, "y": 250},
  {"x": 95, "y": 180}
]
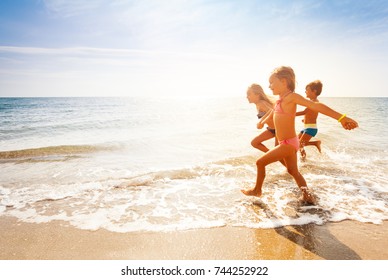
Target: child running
[
  {"x": 282, "y": 83},
  {"x": 264, "y": 105},
  {"x": 313, "y": 90}
]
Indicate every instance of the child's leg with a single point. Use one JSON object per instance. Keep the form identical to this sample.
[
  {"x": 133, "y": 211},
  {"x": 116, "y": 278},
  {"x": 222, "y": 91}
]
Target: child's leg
[
  {"x": 257, "y": 141},
  {"x": 282, "y": 160},
  {"x": 292, "y": 168},
  {"x": 273, "y": 155},
  {"x": 316, "y": 143},
  {"x": 303, "y": 140}
]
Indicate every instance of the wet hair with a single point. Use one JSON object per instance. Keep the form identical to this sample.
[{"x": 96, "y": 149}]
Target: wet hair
[
  {"x": 316, "y": 86},
  {"x": 258, "y": 90},
  {"x": 286, "y": 72}
]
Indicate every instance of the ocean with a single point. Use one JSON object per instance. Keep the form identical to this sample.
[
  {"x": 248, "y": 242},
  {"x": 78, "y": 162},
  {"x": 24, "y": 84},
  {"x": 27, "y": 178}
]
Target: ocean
[{"x": 141, "y": 164}]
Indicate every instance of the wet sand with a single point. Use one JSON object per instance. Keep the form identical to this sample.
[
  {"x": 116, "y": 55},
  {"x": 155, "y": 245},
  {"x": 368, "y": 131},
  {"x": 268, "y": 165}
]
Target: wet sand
[{"x": 347, "y": 240}]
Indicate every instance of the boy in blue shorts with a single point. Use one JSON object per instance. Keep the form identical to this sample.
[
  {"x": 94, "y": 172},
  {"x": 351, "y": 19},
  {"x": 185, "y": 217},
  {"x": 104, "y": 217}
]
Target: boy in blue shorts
[{"x": 313, "y": 90}]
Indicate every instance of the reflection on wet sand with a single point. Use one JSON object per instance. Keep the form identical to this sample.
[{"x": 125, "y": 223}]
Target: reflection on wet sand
[{"x": 311, "y": 238}]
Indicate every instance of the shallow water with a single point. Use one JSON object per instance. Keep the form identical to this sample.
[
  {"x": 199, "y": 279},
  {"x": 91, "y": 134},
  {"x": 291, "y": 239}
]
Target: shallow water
[{"x": 138, "y": 164}]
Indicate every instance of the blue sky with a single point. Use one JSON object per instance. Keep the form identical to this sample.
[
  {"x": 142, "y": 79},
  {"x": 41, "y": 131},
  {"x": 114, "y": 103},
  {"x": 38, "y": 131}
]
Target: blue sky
[{"x": 192, "y": 47}]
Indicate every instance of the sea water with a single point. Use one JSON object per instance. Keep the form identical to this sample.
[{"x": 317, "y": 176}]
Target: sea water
[{"x": 161, "y": 164}]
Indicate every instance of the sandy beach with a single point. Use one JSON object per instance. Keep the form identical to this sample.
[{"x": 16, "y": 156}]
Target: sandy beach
[{"x": 347, "y": 240}]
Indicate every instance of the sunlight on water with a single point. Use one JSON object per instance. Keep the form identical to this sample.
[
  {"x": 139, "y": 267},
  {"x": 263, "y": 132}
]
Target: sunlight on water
[{"x": 141, "y": 164}]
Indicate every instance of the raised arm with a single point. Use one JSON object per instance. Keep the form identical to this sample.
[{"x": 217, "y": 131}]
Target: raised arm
[{"x": 346, "y": 122}]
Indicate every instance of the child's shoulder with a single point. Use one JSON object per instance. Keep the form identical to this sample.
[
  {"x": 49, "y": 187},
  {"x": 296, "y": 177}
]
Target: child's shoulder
[{"x": 294, "y": 96}]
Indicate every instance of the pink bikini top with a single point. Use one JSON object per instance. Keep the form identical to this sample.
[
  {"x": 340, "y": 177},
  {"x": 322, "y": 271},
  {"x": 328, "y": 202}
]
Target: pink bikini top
[{"x": 278, "y": 107}]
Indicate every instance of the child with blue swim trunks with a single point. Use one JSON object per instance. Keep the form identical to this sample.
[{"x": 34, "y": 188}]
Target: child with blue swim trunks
[{"x": 313, "y": 90}]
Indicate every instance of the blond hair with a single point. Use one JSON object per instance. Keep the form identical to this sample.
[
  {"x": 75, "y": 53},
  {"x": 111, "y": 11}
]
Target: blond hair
[
  {"x": 258, "y": 90},
  {"x": 286, "y": 72}
]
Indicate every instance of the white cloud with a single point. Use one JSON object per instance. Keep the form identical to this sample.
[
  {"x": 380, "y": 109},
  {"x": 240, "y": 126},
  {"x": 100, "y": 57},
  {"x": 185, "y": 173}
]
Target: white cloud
[
  {"x": 97, "y": 71},
  {"x": 193, "y": 47}
]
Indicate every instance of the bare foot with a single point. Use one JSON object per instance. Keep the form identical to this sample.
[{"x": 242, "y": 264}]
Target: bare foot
[
  {"x": 318, "y": 145},
  {"x": 307, "y": 196},
  {"x": 303, "y": 153},
  {"x": 252, "y": 192}
]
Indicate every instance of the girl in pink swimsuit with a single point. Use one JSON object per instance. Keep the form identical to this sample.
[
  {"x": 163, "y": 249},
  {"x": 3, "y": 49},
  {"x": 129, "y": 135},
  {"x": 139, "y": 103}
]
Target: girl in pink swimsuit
[
  {"x": 294, "y": 141},
  {"x": 282, "y": 83}
]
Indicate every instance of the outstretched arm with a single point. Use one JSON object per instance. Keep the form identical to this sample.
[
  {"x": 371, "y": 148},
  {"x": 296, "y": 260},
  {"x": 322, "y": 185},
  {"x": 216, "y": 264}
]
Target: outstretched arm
[{"x": 346, "y": 122}]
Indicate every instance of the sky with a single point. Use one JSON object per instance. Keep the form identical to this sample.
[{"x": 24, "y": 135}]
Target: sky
[{"x": 190, "y": 47}]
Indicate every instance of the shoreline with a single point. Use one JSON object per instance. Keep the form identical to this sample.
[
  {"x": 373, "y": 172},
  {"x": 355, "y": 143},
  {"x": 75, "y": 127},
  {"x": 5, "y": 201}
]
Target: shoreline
[{"x": 346, "y": 240}]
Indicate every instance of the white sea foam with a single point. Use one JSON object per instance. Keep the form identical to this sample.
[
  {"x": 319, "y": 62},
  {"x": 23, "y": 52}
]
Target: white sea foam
[{"x": 172, "y": 181}]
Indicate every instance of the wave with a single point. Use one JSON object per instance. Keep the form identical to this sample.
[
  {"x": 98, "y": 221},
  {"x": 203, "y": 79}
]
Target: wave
[
  {"x": 62, "y": 150},
  {"x": 201, "y": 196}
]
